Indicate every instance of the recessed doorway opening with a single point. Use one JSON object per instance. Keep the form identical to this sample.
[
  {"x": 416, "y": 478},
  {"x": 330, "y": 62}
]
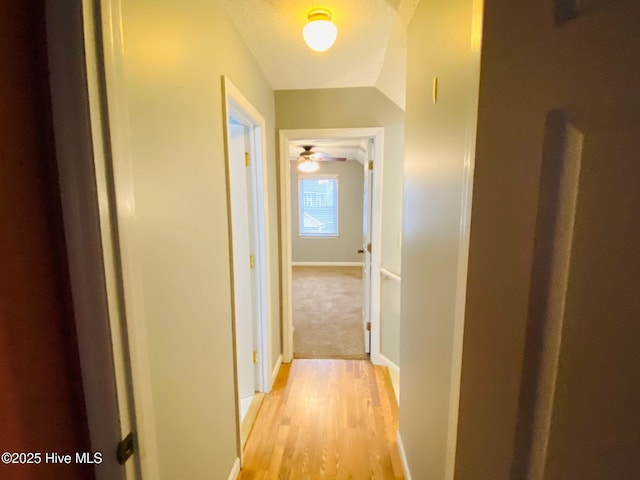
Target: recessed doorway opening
[
  {"x": 326, "y": 251},
  {"x": 245, "y": 152}
]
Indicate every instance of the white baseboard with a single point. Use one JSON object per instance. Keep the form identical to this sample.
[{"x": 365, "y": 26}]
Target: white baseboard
[
  {"x": 275, "y": 371},
  {"x": 326, "y": 264},
  {"x": 235, "y": 470},
  {"x": 394, "y": 373},
  {"x": 403, "y": 457}
]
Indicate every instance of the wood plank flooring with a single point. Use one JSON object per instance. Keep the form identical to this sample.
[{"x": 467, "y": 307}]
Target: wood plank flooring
[{"x": 326, "y": 420}]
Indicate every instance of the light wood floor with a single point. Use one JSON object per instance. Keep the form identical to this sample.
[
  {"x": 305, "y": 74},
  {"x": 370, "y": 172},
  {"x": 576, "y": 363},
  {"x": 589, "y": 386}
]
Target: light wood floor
[{"x": 326, "y": 420}]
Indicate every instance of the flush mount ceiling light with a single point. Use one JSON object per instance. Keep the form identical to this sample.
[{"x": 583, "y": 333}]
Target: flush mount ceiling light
[
  {"x": 308, "y": 165},
  {"x": 320, "y": 33}
]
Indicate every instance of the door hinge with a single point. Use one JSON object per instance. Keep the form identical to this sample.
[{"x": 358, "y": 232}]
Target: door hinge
[
  {"x": 252, "y": 261},
  {"x": 370, "y": 166},
  {"x": 126, "y": 448},
  {"x": 247, "y": 158},
  {"x": 255, "y": 357},
  {"x": 368, "y": 326}
]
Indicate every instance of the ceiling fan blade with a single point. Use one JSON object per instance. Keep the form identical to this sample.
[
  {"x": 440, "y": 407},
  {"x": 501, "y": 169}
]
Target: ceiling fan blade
[{"x": 307, "y": 154}]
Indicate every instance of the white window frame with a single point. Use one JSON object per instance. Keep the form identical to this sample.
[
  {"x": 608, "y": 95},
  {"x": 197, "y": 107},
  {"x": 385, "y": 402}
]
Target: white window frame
[{"x": 319, "y": 176}]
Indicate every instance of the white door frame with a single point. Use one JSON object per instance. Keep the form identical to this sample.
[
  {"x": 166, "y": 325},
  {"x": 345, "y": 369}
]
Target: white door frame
[
  {"x": 367, "y": 239},
  {"x": 99, "y": 225},
  {"x": 286, "y": 136},
  {"x": 235, "y": 104}
]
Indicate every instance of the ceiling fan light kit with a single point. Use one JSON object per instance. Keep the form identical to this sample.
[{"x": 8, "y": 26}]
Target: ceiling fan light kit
[
  {"x": 308, "y": 165},
  {"x": 320, "y": 33},
  {"x": 308, "y": 160}
]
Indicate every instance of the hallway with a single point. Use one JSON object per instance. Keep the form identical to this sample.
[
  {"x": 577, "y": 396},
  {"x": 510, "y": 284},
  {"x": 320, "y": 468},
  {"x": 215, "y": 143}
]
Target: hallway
[{"x": 326, "y": 419}]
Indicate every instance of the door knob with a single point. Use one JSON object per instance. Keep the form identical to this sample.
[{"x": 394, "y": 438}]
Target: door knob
[{"x": 361, "y": 250}]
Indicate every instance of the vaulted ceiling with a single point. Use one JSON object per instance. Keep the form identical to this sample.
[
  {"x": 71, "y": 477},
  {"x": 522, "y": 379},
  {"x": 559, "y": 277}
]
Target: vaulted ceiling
[{"x": 370, "y": 49}]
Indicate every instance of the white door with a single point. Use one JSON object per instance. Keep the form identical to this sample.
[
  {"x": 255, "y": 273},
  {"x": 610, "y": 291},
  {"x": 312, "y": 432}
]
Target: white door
[
  {"x": 559, "y": 124},
  {"x": 366, "y": 249},
  {"x": 243, "y": 277}
]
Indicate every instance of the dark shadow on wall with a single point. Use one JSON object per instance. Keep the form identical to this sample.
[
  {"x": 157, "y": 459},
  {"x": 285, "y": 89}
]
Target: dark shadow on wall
[{"x": 42, "y": 407}]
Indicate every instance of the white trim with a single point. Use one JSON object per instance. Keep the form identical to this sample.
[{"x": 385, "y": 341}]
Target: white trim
[
  {"x": 274, "y": 372},
  {"x": 285, "y": 249},
  {"x": 319, "y": 176},
  {"x": 376, "y": 242},
  {"x": 235, "y": 470},
  {"x": 403, "y": 457},
  {"x": 461, "y": 286},
  {"x": 76, "y": 95},
  {"x": 234, "y": 101},
  {"x": 394, "y": 373},
  {"x": 326, "y": 264},
  {"x": 285, "y": 136},
  {"x": 108, "y": 230},
  {"x": 81, "y": 204},
  {"x": 113, "y": 43}
]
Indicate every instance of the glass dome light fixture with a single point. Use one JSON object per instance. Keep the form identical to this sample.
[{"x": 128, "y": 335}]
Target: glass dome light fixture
[
  {"x": 320, "y": 33},
  {"x": 308, "y": 165}
]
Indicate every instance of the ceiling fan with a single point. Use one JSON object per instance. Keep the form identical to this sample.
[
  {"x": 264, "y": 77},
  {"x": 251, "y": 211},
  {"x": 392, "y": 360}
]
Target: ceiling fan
[{"x": 308, "y": 160}]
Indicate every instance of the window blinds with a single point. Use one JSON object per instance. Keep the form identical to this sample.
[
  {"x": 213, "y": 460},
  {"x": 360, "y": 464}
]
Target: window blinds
[{"x": 318, "y": 200}]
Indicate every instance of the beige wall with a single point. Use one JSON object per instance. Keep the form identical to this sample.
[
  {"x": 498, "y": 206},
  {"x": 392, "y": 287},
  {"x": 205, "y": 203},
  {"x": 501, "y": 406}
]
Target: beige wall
[
  {"x": 392, "y": 78},
  {"x": 335, "y": 108},
  {"x": 172, "y": 87},
  {"x": 438, "y": 142},
  {"x": 345, "y": 247}
]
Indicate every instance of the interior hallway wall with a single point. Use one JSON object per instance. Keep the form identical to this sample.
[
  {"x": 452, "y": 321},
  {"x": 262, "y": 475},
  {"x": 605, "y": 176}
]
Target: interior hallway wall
[
  {"x": 443, "y": 42},
  {"x": 175, "y": 55},
  {"x": 42, "y": 408},
  {"x": 344, "y": 247}
]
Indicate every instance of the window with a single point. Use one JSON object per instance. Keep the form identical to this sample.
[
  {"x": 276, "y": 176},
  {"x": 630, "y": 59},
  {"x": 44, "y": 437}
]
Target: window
[{"x": 318, "y": 202}]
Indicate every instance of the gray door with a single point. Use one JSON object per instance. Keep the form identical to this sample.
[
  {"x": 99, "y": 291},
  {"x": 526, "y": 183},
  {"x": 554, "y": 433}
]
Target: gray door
[{"x": 553, "y": 341}]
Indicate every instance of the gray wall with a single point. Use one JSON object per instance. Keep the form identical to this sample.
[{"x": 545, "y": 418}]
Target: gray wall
[
  {"x": 350, "y": 192},
  {"x": 352, "y": 108},
  {"x": 390, "y": 290},
  {"x": 436, "y": 149},
  {"x": 391, "y": 247}
]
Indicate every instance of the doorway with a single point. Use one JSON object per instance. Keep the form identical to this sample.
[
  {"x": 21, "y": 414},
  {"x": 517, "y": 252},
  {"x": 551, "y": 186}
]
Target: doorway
[
  {"x": 246, "y": 180},
  {"x": 327, "y": 247},
  {"x": 371, "y": 164}
]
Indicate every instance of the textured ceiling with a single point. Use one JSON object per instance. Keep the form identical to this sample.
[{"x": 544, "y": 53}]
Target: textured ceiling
[{"x": 272, "y": 30}]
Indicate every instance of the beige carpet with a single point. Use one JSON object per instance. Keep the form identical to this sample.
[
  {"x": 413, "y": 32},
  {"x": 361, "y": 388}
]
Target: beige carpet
[{"x": 327, "y": 312}]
